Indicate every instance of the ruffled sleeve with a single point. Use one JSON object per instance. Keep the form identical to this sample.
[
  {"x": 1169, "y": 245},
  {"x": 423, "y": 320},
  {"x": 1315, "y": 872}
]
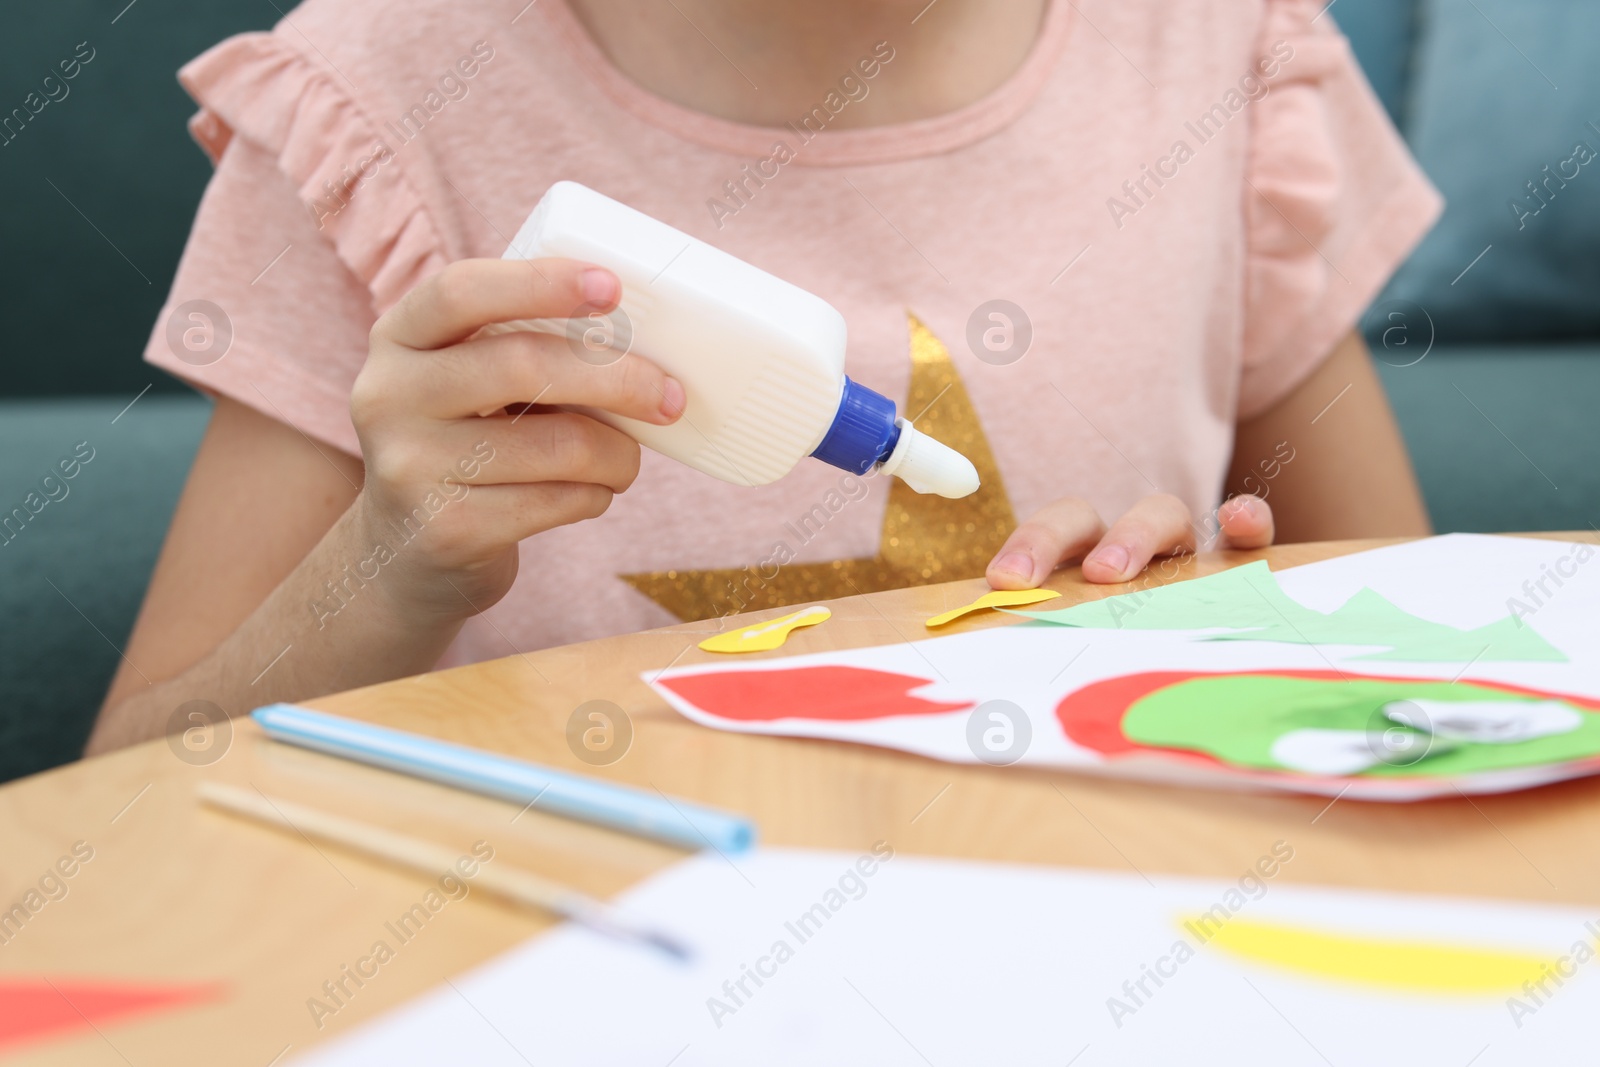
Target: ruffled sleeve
[
  {"x": 260, "y": 87},
  {"x": 1333, "y": 202},
  {"x": 307, "y": 232}
]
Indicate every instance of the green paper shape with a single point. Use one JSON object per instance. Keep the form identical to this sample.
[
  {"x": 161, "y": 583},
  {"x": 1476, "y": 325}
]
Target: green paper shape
[
  {"x": 1504, "y": 640},
  {"x": 1237, "y": 718},
  {"x": 1239, "y": 598},
  {"x": 1248, "y": 601}
]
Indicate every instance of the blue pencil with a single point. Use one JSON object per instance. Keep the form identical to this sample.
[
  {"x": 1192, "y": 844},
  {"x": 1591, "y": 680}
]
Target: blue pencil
[{"x": 635, "y": 811}]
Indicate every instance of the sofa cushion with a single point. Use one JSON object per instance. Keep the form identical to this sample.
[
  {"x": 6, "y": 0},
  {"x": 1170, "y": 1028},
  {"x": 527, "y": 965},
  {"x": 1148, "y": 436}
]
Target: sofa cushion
[
  {"x": 1503, "y": 437},
  {"x": 75, "y": 561},
  {"x": 102, "y": 183},
  {"x": 1504, "y": 120},
  {"x": 1383, "y": 35}
]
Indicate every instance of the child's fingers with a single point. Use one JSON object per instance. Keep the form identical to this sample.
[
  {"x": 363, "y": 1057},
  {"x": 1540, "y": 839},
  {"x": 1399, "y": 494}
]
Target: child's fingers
[
  {"x": 1246, "y": 523},
  {"x": 1156, "y": 525},
  {"x": 1061, "y": 530},
  {"x": 552, "y": 446},
  {"x": 506, "y": 514},
  {"x": 464, "y": 526},
  {"x": 472, "y": 293},
  {"x": 489, "y": 373}
]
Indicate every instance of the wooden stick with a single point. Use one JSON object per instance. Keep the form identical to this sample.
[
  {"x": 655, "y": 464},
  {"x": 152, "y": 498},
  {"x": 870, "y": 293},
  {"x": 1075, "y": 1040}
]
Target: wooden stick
[{"x": 424, "y": 857}]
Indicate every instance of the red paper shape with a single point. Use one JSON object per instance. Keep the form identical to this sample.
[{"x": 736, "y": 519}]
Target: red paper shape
[
  {"x": 838, "y": 694},
  {"x": 32, "y": 1009}
]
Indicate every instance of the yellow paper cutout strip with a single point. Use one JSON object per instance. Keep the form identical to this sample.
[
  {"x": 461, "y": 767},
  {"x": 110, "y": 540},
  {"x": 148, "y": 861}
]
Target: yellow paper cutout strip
[
  {"x": 1000, "y": 598},
  {"x": 1414, "y": 966},
  {"x": 765, "y": 636}
]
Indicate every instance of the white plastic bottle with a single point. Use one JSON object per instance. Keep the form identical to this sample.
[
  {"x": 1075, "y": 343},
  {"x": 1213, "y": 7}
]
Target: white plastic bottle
[{"x": 761, "y": 361}]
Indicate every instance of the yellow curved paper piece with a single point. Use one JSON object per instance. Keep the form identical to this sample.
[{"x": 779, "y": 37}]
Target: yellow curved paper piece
[
  {"x": 999, "y": 598},
  {"x": 1415, "y": 966},
  {"x": 765, "y": 636}
]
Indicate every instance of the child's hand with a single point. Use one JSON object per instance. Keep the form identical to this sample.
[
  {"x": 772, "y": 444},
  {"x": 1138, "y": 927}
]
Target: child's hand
[
  {"x": 415, "y": 407},
  {"x": 1156, "y": 526}
]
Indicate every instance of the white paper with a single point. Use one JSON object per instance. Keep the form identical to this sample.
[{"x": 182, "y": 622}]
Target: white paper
[
  {"x": 1465, "y": 580},
  {"x": 953, "y": 963}
]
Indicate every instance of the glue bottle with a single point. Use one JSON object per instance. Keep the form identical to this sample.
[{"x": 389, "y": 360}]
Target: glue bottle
[{"x": 761, "y": 361}]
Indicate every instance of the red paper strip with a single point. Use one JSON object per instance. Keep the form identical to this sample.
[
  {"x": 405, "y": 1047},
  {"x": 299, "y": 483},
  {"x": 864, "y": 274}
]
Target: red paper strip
[{"x": 33, "y": 1008}]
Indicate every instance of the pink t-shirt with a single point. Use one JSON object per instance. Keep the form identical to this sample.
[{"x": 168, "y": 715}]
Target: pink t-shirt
[{"x": 1183, "y": 205}]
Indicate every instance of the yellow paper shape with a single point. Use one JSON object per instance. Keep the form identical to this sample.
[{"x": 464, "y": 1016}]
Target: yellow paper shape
[
  {"x": 999, "y": 598},
  {"x": 765, "y": 636},
  {"x": 1415, "y": 966}
]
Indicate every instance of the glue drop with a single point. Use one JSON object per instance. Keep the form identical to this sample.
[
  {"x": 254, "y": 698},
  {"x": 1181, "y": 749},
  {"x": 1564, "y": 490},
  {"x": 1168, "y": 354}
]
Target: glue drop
[{"x": 761, "y": 360}]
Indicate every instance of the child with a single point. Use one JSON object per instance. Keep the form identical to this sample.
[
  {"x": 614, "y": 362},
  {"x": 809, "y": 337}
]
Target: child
[{"x": 1114, "y": 252}]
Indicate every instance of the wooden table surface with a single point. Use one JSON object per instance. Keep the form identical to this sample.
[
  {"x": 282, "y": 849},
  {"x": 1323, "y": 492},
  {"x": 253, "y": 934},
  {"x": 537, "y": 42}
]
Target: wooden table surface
[{"x": 178, "y": 894}]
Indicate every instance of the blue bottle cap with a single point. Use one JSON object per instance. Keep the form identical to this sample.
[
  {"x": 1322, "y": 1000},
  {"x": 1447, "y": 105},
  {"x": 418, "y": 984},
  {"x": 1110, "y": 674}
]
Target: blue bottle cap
[{"x": 864, "y": 432}]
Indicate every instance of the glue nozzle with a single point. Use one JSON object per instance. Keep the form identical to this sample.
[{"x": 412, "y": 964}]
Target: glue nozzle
[
  {"x": 867, "y": 434},
  {"x": 930, "y": 467}
]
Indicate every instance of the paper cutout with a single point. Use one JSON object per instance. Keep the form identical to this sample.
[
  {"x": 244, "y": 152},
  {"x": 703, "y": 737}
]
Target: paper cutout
[
  {"x": 998, "y": 598},
  {"x": 1183, "y": 706},
  {"x": 834, "y": 693},
  {"x": 1249, "y": 601},
  {"x": 765, "y": 636},
  {"x": 1492, "y": 722},
  {"x": 1239, "y": 719},
  {"x": 1381, "y": 963},
  {"x": 32, "y": 1009}
]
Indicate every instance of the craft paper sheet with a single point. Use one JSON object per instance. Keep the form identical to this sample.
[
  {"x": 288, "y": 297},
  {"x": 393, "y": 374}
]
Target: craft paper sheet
[
  {"x": 896, "y": 960},
  {"x": 1457, "y": 662}
]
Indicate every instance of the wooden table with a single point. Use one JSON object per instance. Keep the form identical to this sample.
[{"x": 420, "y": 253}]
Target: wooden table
[{"x": 179, "y": 894}]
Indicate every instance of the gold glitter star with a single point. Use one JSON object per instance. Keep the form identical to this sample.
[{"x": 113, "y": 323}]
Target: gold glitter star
[{"x": 925, "y": 538}]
